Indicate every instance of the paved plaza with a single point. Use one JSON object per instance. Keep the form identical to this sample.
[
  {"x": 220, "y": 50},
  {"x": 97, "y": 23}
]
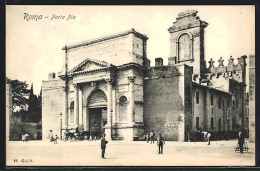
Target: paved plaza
[{"x": 120, "y": 153}]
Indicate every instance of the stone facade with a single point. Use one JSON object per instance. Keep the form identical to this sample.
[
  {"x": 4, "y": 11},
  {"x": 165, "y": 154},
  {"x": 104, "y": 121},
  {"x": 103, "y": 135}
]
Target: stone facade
[
  {"x": 107, "y": 85},
  {"x": 252, "y": 98}
]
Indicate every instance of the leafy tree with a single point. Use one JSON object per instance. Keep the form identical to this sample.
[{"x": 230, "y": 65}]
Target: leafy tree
[
  {"x": 19, "y": 88},
  {"x": 30, "y": 108}
]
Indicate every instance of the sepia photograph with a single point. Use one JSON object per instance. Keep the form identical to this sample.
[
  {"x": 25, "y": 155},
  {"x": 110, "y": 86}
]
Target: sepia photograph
[{"x": 130, "y": 85}]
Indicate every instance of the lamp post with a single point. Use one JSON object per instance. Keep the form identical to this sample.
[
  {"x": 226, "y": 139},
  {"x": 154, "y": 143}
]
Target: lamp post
[
  {"x": 60, "y": 125},
  {"x": 111, "y": 111}
]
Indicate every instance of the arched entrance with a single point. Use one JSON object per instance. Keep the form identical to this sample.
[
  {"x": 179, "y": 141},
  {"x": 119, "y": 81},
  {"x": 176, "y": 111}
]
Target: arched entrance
[{"x": 97, "y": 106}]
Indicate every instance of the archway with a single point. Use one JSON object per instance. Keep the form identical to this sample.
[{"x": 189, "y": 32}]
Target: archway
[{"x": 97, "y": 106}]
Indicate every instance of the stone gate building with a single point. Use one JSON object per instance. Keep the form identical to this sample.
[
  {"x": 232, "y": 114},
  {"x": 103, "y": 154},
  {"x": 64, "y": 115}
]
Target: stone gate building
[{"x": 107, "y": 85}]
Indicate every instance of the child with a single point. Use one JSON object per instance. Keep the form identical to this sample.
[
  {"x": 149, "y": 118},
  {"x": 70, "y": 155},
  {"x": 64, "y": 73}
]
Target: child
[
  {"x": 147, "y": 137},
  {"x": 56, "y": 140}
]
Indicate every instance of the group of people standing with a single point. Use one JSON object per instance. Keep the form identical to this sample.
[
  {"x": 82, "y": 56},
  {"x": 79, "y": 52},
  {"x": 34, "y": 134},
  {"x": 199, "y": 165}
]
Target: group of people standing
[{"x": 160, "y": 140}]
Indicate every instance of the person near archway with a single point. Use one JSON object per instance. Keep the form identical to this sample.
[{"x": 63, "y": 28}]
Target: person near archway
[{"x": 103, "y": 146}]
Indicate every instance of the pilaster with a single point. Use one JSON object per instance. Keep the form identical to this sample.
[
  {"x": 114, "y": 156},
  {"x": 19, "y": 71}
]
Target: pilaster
[
  {"x": 131, "y": 106},
  {"x": 76, "y": 104}
]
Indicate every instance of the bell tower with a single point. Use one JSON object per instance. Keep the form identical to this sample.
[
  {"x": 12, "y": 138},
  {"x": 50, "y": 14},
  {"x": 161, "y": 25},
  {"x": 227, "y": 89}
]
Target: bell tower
[{"x": 187, "y": 41}]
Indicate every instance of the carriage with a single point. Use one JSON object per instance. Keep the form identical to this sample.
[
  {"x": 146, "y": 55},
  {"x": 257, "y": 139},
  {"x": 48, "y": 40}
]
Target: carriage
[
  {"x": 245, "y": 147},
  {"x": 81, "y": 135}
]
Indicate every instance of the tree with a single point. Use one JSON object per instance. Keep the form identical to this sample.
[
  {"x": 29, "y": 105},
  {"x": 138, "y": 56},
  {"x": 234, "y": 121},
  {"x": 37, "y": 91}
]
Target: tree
[
  {"x": 30, "y": 108},
  {"x": 34, "y": 109},
  {"x": 19, "y": 88}
]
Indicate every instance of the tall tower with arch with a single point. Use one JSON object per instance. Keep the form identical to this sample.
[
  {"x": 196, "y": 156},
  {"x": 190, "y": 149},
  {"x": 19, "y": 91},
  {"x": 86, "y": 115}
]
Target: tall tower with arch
[{"x": 187, "y": 41}]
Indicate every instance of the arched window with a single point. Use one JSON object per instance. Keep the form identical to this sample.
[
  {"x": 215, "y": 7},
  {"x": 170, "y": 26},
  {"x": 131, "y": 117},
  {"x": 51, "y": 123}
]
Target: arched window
[
  {"x": 97, "y": 96},
  {"x": 122, "y": 99},
  {"x": 72, "y": 112}
]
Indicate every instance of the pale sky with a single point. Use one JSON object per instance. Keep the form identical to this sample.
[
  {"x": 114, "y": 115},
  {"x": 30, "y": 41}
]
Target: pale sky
[{"x": 33, "y": 48}]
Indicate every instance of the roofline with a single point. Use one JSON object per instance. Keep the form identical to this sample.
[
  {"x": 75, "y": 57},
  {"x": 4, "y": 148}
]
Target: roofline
[
  {"x": 142, "y": 36},
  {"x": 211, "y": 88}
]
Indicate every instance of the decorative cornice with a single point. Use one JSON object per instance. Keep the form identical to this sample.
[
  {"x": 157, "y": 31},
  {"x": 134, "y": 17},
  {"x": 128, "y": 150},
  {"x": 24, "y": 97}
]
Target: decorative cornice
[
  {"x": 85, "y": 43},
  {"x": 130, "y": 66},
  {"x": 100, "y": 63},
  {"x": 182, "y": 24}
]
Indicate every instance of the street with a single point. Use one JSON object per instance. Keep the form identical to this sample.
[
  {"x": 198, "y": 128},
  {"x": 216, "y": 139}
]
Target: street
[{"x": 120, "y": 153}]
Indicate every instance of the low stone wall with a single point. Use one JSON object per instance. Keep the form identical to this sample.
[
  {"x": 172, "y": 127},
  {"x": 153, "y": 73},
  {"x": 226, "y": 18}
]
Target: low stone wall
[{"x": 18, "y": 128}]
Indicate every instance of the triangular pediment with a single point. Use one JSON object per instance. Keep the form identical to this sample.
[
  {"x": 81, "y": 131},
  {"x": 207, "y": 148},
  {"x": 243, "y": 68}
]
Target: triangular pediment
[{"x": 90, "y": 65}]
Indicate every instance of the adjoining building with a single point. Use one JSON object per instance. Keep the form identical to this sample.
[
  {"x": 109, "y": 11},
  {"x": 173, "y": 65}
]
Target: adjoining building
[
  {"x": 107, "y": 85},
  {"x": 251, "y": 98}
]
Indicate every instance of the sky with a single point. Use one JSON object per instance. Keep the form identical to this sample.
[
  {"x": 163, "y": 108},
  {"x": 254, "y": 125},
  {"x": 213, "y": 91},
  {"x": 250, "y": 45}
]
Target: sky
[{"x": 34, "y": 48}]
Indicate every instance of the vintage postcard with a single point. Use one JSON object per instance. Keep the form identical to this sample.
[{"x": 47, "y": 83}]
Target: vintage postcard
[{"x": 130, "y": 85}]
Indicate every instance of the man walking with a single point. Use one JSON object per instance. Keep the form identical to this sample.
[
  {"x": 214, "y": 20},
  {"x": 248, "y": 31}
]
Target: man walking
[
  {"x": 241, "y": 141},
  {"x": 103, "y": 146},
  {"x": 208, "y": 137},
  {"x": 152, "y": 136},
  {"x": 160, "y": 142}
]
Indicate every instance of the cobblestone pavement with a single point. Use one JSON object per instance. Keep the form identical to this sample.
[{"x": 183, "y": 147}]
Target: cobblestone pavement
[{"x": 119, "y": 153}]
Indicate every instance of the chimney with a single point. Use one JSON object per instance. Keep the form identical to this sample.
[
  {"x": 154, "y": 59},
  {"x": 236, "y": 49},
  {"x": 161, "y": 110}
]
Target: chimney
[
  {"x": 171, "y": 60},
  {"x": 158, "y": 62},
  {"x": 51, "y": 75}
]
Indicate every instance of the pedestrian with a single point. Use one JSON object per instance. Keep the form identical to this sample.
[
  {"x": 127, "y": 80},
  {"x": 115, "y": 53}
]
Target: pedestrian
[
  {"x": 51, "y": 136},
  {"x": 23, "y": 137},
  {"x": 103, "y": 146},
  {"x": 241, "y": 141},
  {"x": 160, "y": 143},
  {"x": 56, "y": 139},
  {"x": 208, "y": 137},
  {"x": 26, "y": 137},
  {"x": 147, "y": 137},
  {"x": 152, "y": 136}
]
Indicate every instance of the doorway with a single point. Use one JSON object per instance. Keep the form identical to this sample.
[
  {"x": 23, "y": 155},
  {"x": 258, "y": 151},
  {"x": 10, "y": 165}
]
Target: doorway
[{"x": 97, "y": 121}]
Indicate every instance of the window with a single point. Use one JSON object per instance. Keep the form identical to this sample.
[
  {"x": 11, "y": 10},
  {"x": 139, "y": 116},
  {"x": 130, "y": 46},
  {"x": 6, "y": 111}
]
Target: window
[
  {"x": 211, "y": 123},
  {"x": 228, "y": 124},
  {"x": 122, "y": 99},
  {"x": 228, "y": 103},
  {"x": 219, "y": 102},
  {"x": 211, "y": 99},
  {"x": 72, "y": 112},
  {"x": 97, "y": 96},
  {"x": 197, "y": 97},
  {"x": 137, "y": 45},
  {"x": 233, "y": 104},
  {"x": 197, "y": 122},
  {"x": 219, "y": 124}
]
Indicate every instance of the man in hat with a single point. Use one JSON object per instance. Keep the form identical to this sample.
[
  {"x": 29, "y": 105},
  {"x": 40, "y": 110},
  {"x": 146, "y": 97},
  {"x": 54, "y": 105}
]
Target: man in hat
[
  {"x": 160, "y": 142},
  {"x": 103, "y": 146}
]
